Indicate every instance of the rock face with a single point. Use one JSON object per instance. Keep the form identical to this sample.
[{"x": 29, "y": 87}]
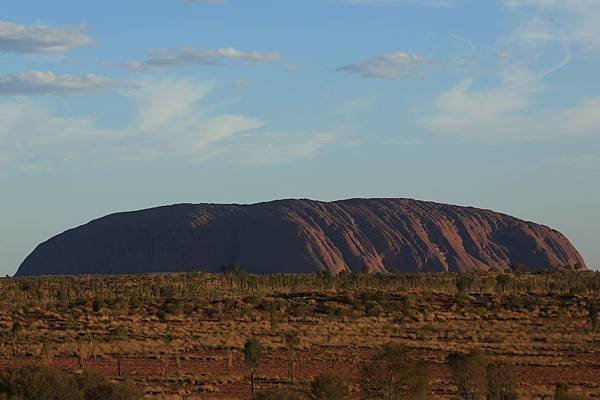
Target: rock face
[{"x": 302, "y": 236}]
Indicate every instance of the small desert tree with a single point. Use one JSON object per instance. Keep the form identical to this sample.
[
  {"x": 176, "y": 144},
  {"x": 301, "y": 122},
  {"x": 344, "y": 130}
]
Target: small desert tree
[
  {"x": 15, "y": 331},
  {"x": 117, "y": 335},
  {"x": 500, "y": 382},
  {"x": 562, "y": 392},
  {"x": 593, "y": 309},
  {"x": 253, "y": 354},
  {"x": 503, "y": 281},
  {"x": 292, "y": 341},
  {"x": 329, "y": 386},
  {"x": 393, "y": 375},
  {"x": 469, "y": 372}
]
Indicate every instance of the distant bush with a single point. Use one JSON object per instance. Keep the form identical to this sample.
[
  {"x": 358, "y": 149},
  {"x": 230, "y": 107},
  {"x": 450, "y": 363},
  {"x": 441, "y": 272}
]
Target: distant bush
[{"x": 45, "y": 383}]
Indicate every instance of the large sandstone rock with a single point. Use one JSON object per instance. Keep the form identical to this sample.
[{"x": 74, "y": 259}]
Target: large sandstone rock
[{"x": 302, "y": 236}]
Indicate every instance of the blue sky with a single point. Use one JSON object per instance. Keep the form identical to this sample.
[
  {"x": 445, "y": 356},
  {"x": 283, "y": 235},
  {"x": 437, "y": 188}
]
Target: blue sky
[{"x": 111, "y": 106}]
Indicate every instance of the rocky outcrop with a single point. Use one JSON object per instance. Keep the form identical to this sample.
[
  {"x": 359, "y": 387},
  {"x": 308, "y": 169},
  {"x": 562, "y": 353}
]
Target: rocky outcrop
[{"x": 302, "y": 236}]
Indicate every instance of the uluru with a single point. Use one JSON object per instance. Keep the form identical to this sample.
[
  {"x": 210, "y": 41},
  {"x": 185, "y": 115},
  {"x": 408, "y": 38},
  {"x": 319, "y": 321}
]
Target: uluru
[{"x": 303, "y": 236}]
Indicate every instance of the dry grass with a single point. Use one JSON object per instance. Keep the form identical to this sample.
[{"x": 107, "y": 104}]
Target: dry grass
[{"x": 182, "y": 329}]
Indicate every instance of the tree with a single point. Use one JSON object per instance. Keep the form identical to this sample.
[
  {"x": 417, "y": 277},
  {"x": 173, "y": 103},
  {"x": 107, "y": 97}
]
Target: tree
[
  {"x": 500, "y": 382},
  {"x": 15, "y": 330},
  {"x": 503, "y": 280},
  {"x": 118, "y": 334},
  {"x": 292, "y": 341},
  {"x": 519, "y": 268},
  {"x": 231, "y": 269},
  {"x": 329, "y": 386},
  {"x": 593, "y": 309},
  {"x": 253, "y": 354},
  {"x": 469, "y": 374},
  {"x": 392, "y": 375},
  {"x": 562, "y": 392}
]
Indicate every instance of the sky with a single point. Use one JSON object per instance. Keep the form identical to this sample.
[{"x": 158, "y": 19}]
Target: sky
[{"x": 113, "y": 106}]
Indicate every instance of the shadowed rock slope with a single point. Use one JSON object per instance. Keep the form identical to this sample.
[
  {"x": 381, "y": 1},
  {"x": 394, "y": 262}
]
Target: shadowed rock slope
[{"x": 302, "y": 236}]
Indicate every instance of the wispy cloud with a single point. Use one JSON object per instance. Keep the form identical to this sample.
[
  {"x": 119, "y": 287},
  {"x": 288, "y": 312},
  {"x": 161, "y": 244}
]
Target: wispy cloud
[
  {"x": 171, "y": 122},
  {"x": 544, "y": 38},
  {"x": 574, "y": 22},
  {"x": 41, "y": 83},
  {"x": 16, "y": 38},
  {"x": 189, "y": 56},
  {"x": 390, "y": 66}
]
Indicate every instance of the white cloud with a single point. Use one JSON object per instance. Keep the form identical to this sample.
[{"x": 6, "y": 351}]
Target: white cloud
[
  {"x": 171, "y": 123},
  {"x": 16, "y": 38},
  {"x": 188, "y": 56},
  {"x": 40, "y": 83},
  {"x": 390, "y": 66}
]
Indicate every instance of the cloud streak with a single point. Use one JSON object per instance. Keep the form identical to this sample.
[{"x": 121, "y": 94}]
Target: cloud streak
[
  {"x": 42, "y": 83},
  {"x": 16, "y": 38},
  {"x": 390, "y": 66},
  {"x": 424, "y": 3},
  {"x": 189, "y": 57}
]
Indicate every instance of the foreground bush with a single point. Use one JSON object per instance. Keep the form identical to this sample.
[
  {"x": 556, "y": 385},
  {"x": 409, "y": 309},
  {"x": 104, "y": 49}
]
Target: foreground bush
[
  {"x": 329, "y": 386},
  {"x": 393, "y": 375},
  {"x": 478, "y": 378},
  {"x": 279, "y": 394},
  {"x": 45, "y": 383}
]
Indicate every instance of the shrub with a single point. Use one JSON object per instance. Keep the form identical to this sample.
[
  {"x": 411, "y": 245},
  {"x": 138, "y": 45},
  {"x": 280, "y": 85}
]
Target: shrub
[
  {"x": 37, "y": 382},
  {"x": 500, "y": 382},
  {"x": 279, "y": 394},
  {"x": 96, "y": 387},
  {"x": 329, "y": 386},
  {"x": 469, "y": 374},
  {"x": 40, "y": 382},
  {"x": 392, "y": 374}
]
